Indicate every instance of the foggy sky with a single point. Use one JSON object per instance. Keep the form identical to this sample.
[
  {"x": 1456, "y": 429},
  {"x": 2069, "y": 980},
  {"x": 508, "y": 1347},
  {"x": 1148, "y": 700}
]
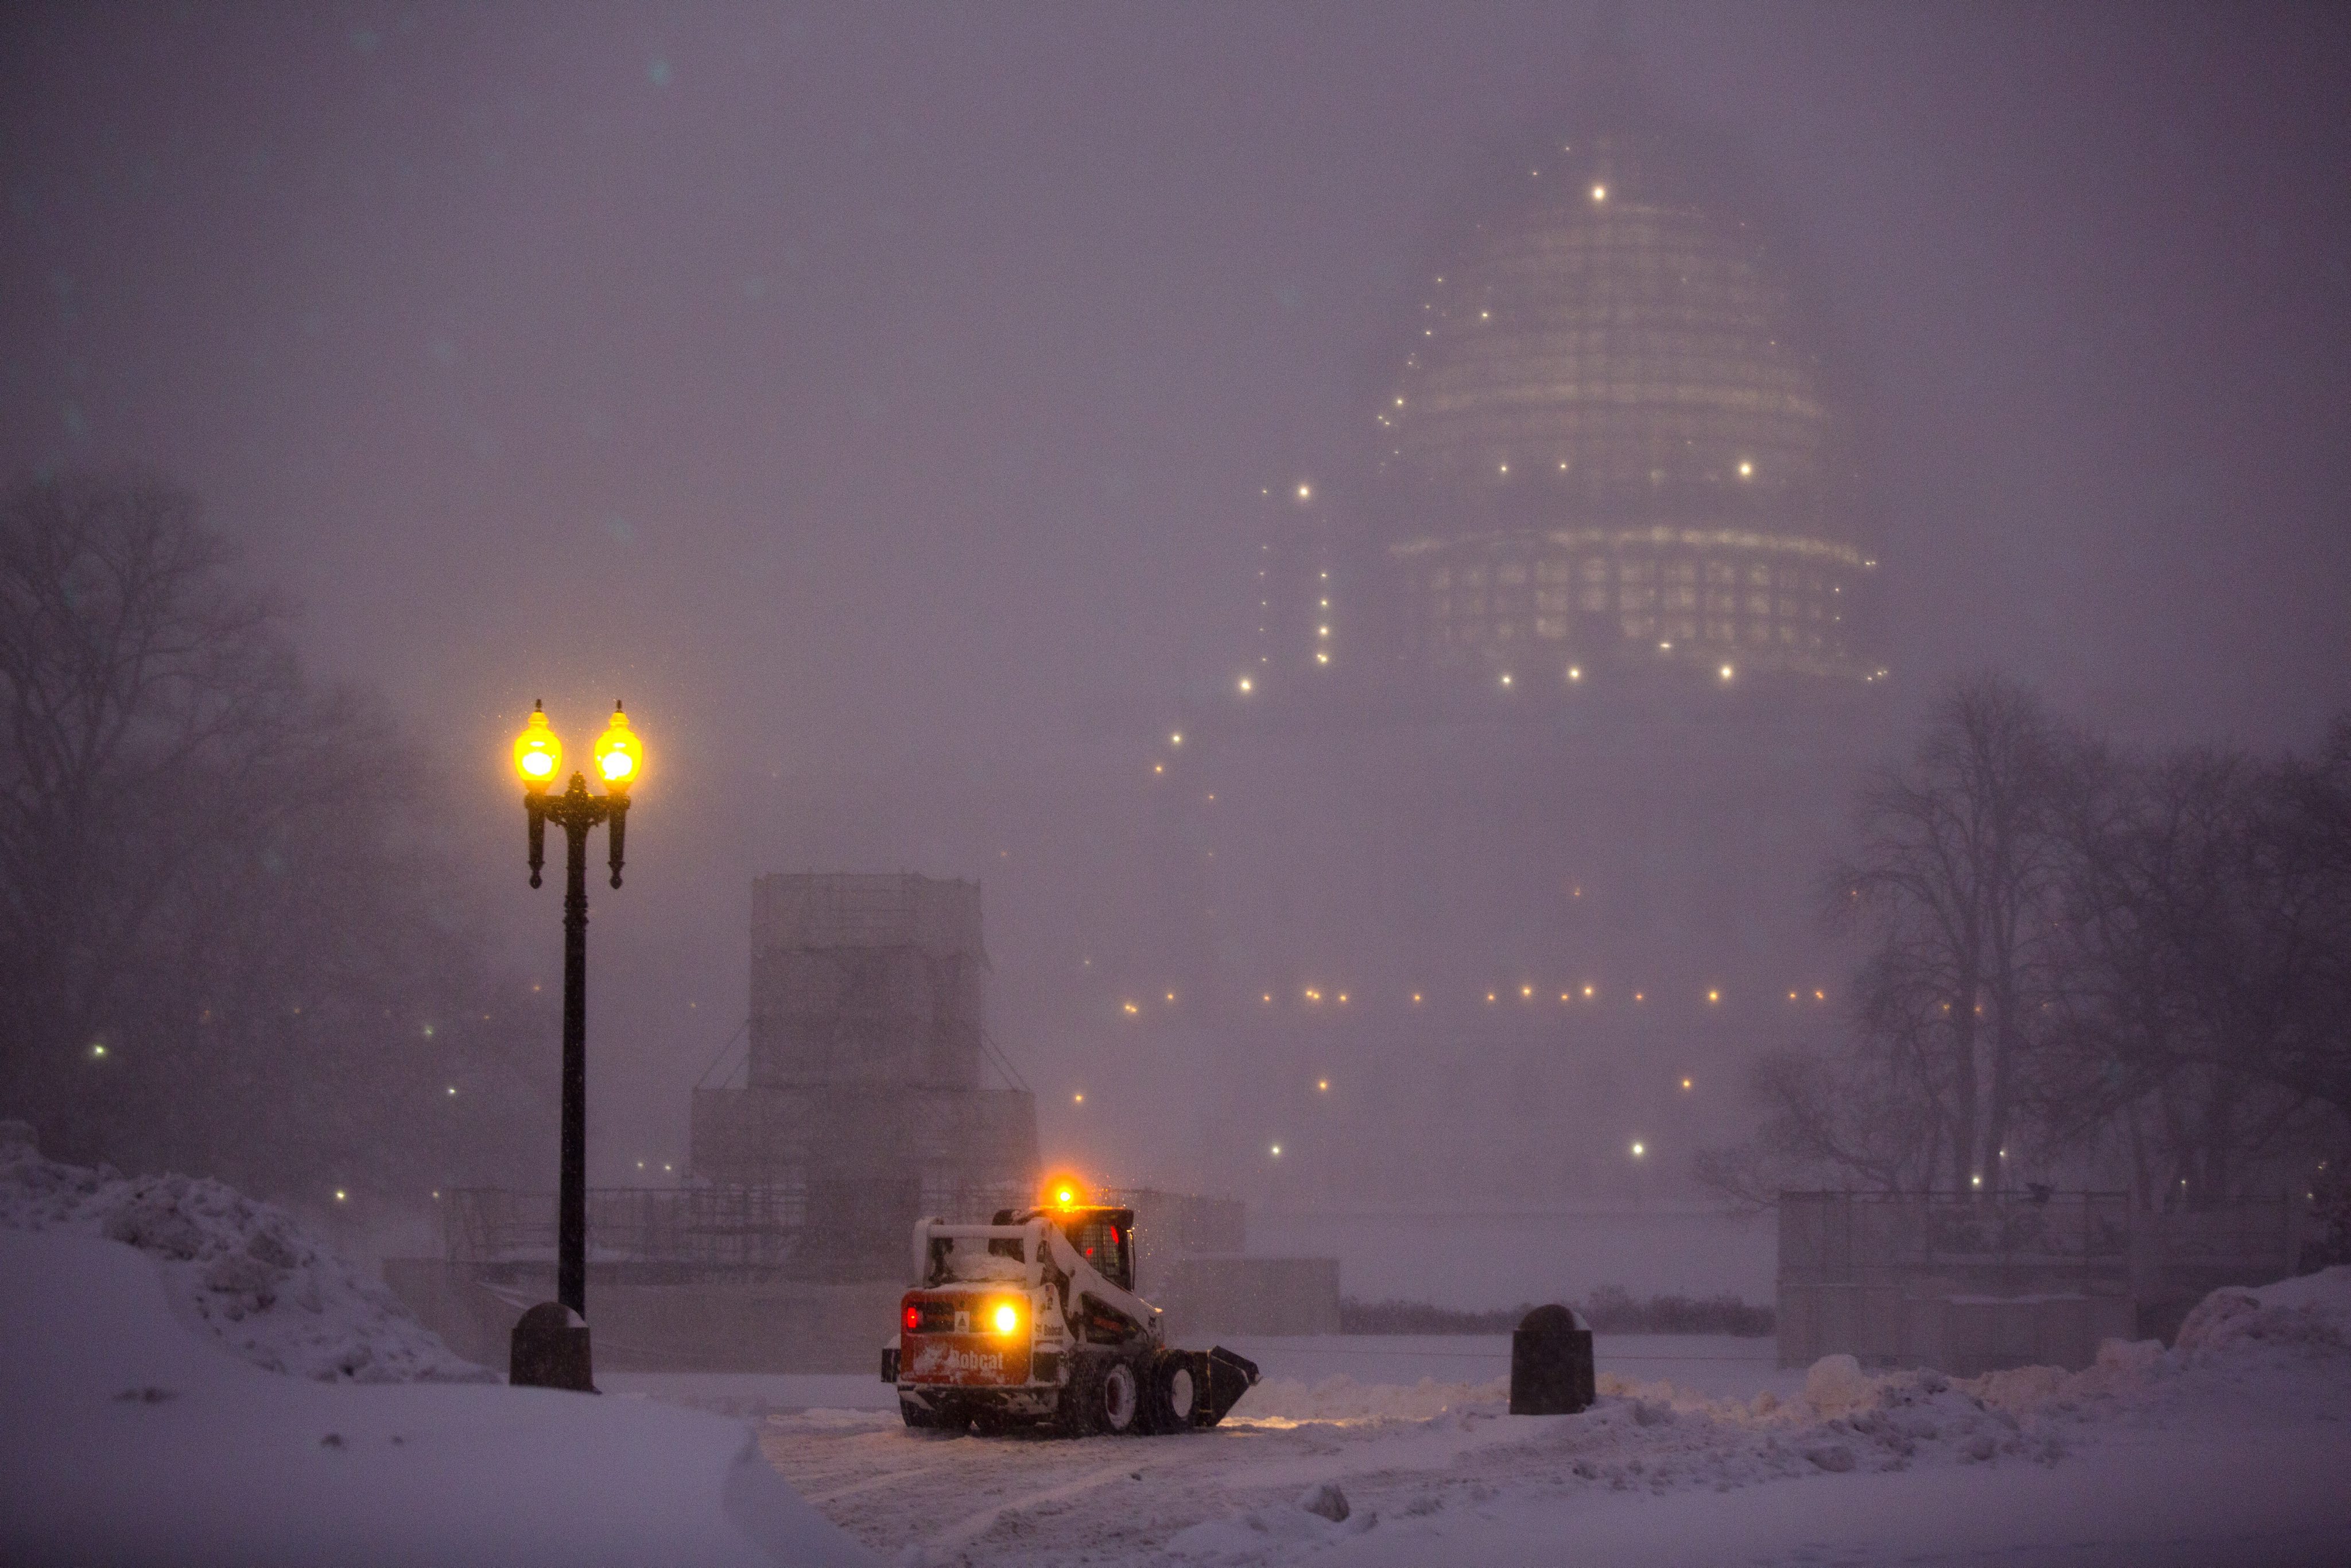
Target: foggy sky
[{"x": 882, "y": 392}]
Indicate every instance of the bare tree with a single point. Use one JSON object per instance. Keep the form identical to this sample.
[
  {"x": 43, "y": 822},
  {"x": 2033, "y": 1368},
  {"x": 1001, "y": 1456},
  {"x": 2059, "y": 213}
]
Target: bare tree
[
  {"x": 2203, "y": 919},
  {"x": 2301, "y": 858},
  {"x": 2073, "y": 953},
  {"x": 226, "y": 940},
  {"x": 1953, "y": 888},
  {"x": 141, "y": 691},
  {"x": 1859, "y": 1115}
]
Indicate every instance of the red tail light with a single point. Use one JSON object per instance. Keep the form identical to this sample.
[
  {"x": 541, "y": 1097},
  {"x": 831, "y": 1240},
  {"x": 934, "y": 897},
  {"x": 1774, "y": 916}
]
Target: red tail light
[{"x": 913, "y": 1318}]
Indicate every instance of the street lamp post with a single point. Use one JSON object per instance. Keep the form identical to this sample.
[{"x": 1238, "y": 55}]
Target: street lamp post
[{"x": 550, "y": 1342}]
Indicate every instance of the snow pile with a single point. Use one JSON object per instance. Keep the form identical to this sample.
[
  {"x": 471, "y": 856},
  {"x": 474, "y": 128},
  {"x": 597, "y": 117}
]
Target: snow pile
[
  {"x": 2311, "y": 1315},
  {"x": 141, "y": 1441},
  {"x": 976, "y": 1264},
  {"x": 1837, "y": 1383},
  {"x": 246, "y": 1272},
  {"x": 1319, "y": 1516},
  {"x": 1637, "y": 1438}
]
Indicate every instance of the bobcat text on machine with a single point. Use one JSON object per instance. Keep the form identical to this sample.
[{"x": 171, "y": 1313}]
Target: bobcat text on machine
[{"x": 1033, "y": 1322}]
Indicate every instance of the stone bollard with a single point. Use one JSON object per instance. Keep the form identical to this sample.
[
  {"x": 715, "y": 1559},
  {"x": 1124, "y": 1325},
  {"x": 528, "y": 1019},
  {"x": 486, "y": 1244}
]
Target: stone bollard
[
  {"x": 1551, "y": 1364},
  {"x": 550, "y": 1350}
]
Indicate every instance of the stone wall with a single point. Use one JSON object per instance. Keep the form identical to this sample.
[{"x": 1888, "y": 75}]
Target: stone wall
[{"x": 774, "y": 1327}]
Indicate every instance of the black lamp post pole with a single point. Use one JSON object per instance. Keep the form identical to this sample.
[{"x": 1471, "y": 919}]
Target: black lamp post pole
[
  {"x": 572, "y": 1206},
  {"x": 575, "y": 811}
]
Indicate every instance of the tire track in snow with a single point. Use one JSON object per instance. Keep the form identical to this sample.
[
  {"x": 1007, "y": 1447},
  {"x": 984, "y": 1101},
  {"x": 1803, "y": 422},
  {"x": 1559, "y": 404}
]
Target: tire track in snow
[{"x": 971, "y": 1527}]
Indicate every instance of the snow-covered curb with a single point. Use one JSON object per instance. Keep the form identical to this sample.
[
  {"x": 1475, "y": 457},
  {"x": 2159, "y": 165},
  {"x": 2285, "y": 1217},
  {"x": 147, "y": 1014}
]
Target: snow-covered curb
[{"x": 244, "y": 1271}]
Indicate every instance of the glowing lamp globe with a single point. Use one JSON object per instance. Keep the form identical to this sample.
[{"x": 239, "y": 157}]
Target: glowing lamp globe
[
  {"x": 537, "y": 753},
  {"x": 618, "y": 754}
]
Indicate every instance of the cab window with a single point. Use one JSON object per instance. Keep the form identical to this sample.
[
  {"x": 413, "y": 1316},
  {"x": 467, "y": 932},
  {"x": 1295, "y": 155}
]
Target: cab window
[{"x": 1106, "y": 1244}]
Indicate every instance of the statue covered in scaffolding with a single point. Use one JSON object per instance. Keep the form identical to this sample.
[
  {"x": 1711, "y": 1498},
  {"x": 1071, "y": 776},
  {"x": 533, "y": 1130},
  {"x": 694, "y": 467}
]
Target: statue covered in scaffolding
[{"x": 862, "y": 1105}]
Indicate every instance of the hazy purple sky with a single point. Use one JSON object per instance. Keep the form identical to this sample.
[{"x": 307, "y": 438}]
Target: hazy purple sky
[{"x": 890, "y": 386}]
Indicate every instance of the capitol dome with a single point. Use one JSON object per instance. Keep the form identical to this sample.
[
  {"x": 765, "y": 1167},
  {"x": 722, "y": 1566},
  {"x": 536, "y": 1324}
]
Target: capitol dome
[{"x": 1609, "y": 436}]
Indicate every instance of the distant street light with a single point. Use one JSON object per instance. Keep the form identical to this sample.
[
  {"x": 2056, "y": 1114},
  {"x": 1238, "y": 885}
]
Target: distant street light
[{"x": 550, "y": 1344}]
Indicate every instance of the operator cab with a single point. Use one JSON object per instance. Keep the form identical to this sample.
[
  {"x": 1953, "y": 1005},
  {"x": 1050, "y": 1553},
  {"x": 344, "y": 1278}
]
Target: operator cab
[{"x": 1102, "y": 1235}]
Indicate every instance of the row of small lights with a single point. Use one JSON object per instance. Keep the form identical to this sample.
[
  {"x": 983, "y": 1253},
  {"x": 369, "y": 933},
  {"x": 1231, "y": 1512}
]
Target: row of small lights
[
  {"x": 1322, "y": 1086},
  {"x": 1639, "y": 1150},
  {"x": 1246, "y": 684},
  {"x": 1573, "y": 673},
  {"x": 1315, "y": 997}
]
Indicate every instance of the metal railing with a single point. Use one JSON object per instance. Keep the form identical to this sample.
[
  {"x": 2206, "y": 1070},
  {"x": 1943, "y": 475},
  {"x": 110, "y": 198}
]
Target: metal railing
[{"x": 766, "y": 1232}]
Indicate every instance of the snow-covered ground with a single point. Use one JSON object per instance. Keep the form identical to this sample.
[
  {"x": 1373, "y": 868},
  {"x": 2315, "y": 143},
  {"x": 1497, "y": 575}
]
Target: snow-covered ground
[
  {"x": 185, "y": 1377},
  {"x": 2229, "y": 1450}
]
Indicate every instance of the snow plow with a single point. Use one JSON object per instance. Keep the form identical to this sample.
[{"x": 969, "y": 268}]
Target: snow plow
[{"x": 1032, "y": 1321}]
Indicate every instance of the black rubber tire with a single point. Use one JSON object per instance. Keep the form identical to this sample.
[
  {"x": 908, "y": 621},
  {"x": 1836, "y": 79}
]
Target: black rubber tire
[
  {"x": 1077, "y": 1416},
  {"x": 1175, "y": 1389},
  {"x": 1121, "y": 1407},
  {"x": 1108, "y": 1393}
]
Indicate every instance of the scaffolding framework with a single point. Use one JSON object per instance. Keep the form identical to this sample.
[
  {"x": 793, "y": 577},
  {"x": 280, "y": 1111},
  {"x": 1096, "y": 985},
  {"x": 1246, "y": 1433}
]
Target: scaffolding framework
[{"x": 861, "y": 1104}]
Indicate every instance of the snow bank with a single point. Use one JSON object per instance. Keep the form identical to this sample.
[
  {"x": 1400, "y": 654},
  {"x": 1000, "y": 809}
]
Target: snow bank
[
  {"x": 245, "y": 1272},
  {"x": 1319, "y": 1516},
  {"x": 2312, "y": 1313},
  {"x": 1436, "y": 1450},
  {"x": 2246, "y": 1357},
  {"x": 140, "y": 1438}
]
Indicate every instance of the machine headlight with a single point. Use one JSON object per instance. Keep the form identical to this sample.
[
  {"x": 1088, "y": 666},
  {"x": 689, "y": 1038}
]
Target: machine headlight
[{"x": 1006, "y": 1318}]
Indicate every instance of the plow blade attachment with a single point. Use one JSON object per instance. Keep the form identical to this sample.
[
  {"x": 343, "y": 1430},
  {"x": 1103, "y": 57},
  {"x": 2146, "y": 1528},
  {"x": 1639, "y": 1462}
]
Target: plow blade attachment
[{"x": 1223, "y": 1378}]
